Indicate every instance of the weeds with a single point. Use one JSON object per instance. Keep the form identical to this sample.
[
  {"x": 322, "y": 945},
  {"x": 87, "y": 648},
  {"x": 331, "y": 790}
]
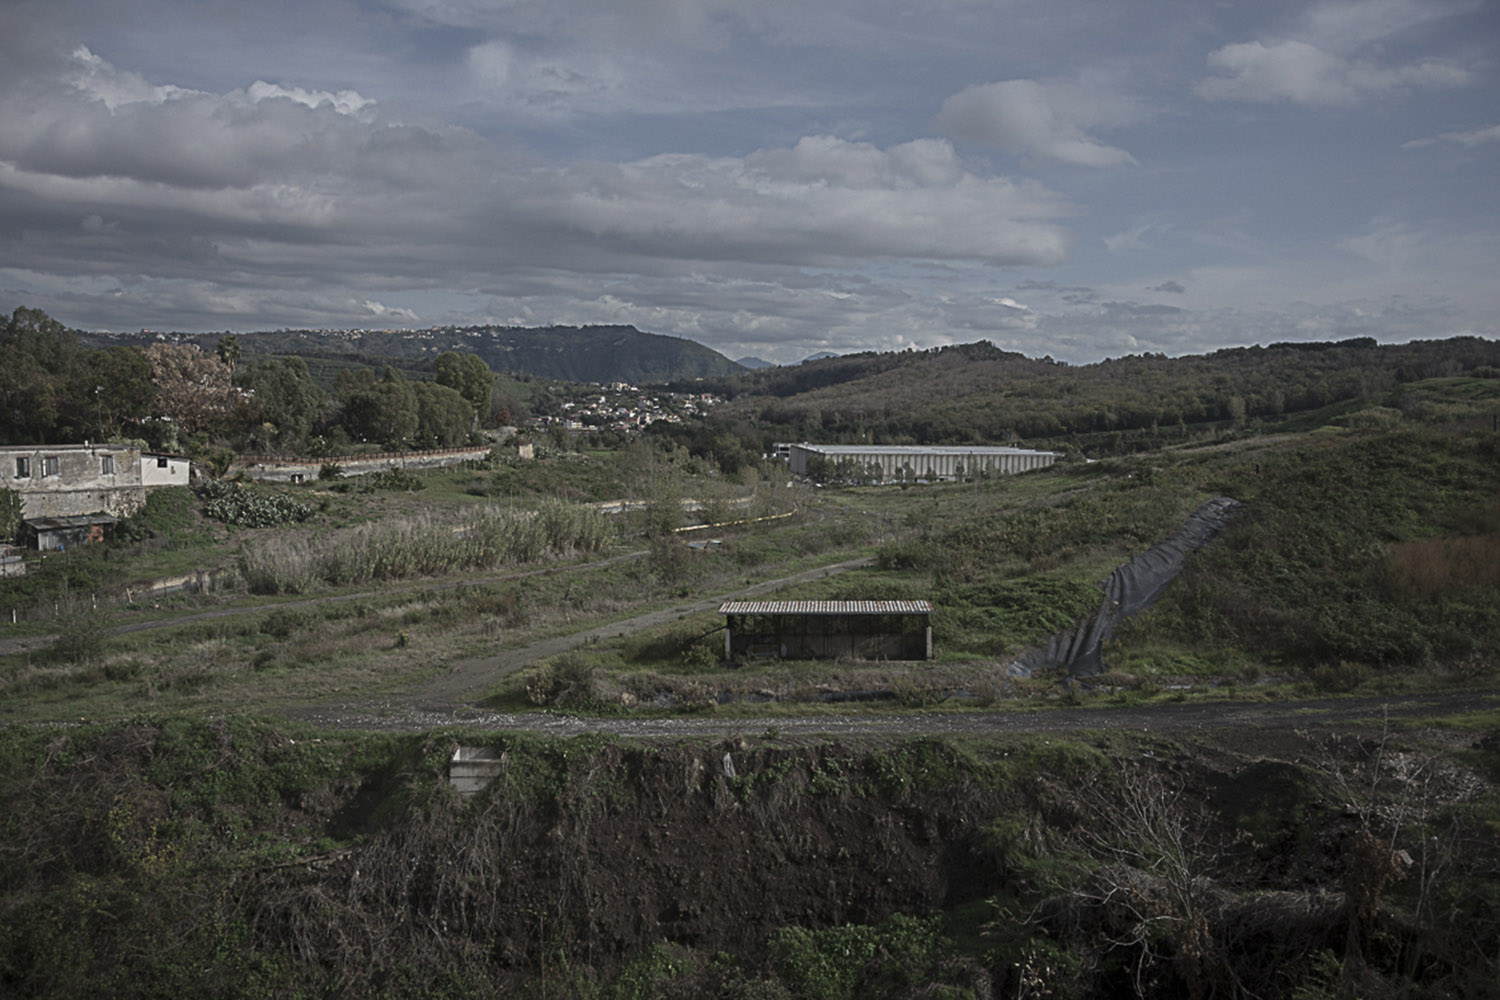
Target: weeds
[
  {"x": 408, "y": 548},
  {"x": 565, "y": 681}
]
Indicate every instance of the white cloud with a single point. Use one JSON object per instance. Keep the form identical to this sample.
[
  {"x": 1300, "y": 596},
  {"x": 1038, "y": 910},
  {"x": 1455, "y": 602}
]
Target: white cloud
[
  {"x": 345, "y": 102},
  {"x": 529, "y": 83},
  {"x": 1390, "y": 246},
  {"x": 1300, "y": 73},
  {"x": 1468, "y": 138},
  {"x": 1045, "y": 119},
  {"x": 95, "y": 79},
  {"x": 1338, "y": 53},
  {"x": 690, "y": 166},
  {"x": 389, "y": 312},
  {"x": 1347, "y": 25}
]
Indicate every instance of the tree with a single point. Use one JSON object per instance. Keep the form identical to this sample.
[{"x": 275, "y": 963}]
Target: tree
[
  {"x": 109, "y": 389},
  {"x": 287, "y": 399},
  {"x": 385, "y": 411},
  {"x": 470, "y": 376},
  {"x": 443, "y": 416},
  {"x": 39, "y": 354},
  {"x": 10, "y": 514},
  {"x": 192, "y": 388},
  {"x": 228, "y": 350}
]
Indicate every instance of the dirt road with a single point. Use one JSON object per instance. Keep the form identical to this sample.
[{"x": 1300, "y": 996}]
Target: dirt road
[
  {"x": 1246, "y": 717},
  {"x": 468, "y": 679}
]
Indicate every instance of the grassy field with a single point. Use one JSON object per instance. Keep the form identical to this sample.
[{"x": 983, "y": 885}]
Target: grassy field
[
  {"x": 1365, "y": 559},
  {"x": 167, "y": 834}
]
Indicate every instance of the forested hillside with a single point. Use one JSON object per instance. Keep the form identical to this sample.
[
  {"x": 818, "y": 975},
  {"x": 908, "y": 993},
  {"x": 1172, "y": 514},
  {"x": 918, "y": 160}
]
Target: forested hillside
[
  {"x": 600, "y": 354},
  {"x": 976, "y": 392},
  {"x": 56, "y": 388}
]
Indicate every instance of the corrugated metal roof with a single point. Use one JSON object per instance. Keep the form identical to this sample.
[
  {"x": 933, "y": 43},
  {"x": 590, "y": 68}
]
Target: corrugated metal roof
[
  {"x": 826, "y": 608},
  {"x": 63, "y": 522}
]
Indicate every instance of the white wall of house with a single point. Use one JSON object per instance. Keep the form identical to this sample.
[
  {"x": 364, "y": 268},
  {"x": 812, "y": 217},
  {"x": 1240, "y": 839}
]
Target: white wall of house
[{"x": 164, "y": 470}]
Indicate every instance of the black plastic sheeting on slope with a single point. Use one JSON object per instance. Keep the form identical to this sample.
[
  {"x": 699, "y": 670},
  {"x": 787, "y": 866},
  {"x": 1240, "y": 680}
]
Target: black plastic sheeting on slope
[{"x": 1131, "y": 588}]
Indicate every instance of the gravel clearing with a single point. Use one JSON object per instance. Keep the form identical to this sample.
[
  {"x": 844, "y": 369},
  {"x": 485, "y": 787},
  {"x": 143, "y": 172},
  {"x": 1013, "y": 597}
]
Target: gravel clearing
[{"x": 1315, "y": 713}]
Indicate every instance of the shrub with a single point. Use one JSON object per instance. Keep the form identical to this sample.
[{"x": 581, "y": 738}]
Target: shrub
[
  {"x": 1340, "y": 676},
  {"x": 250, "y": 507},
  {"x": 564, "y": 681},
  {"x": 83, "y": 633},
  {"x": 284, "y": 621},
  {"x": 394, "y": 479},
  {"x": 672, "y": 562}
]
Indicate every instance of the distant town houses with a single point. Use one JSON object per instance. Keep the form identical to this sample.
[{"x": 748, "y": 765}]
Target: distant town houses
[{"x": 623, "y": 407}]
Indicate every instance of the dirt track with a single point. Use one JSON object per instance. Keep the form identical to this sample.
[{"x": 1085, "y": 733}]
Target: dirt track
[
  {"x": 34, "y": 643},
  {"x": 450, "y": 699},
  {"x": 468, "y": 679},
  {"x": 1246, "y": 717}
]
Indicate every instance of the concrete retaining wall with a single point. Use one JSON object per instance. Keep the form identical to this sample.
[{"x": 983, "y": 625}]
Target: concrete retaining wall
[{"x": 300, "y": 470}]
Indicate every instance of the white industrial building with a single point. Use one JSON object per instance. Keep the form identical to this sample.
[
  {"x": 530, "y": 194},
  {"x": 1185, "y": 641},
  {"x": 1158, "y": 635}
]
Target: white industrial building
[{"x": 912, "y": 463}]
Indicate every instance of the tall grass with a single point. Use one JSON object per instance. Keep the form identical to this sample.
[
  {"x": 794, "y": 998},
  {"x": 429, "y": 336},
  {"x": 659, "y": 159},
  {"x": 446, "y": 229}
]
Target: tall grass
[
  {"x": 484, "y": 538},
  {"x": 1426, "y": 568}
]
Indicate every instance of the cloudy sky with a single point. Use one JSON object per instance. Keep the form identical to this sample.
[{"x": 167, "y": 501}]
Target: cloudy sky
[{"x": 1075, "y": 178}]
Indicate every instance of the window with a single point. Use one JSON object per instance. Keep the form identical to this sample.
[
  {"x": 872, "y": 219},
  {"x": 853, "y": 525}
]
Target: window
[
  {"x": 49, "y": 465},
  {"x": 107, "y": 465},
  {"x": 23, "y": 468},
  {"x": 161, "y": 463}
]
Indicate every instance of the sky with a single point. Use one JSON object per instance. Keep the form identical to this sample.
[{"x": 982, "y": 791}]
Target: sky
[{"x": 1079, "y": 179}]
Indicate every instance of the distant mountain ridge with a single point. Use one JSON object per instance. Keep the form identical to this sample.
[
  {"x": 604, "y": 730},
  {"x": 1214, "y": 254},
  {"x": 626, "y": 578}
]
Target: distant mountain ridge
[{"x": 600, "y": 354}]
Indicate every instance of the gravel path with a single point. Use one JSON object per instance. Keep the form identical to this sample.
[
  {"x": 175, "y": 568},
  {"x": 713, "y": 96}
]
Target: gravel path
[{"x": 1318, "y": 713}]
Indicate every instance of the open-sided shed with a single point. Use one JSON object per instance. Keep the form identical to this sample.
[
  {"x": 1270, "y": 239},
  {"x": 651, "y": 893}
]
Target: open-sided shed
[
  {"x": 59, "y": 533},
  {"x": 807, "y": 630}
]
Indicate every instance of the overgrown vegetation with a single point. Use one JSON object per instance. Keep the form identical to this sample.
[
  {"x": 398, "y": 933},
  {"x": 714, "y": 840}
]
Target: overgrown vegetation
[
  {"x": 484, "y": 538},
  {"x": 1366, "y": 549},
  {"x": 247, "y": 506},
  {"x": 195, "y": 854},
  {"x": 385, "y": 479},
  {"x": 238, "y": 858}
]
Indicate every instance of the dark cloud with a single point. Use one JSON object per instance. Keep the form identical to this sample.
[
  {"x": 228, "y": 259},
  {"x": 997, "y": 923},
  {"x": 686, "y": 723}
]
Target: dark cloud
[{"x": 763, "y": 177}]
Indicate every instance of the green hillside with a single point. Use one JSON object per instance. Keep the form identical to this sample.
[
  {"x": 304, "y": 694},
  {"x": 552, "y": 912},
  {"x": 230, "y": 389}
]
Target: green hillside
[
  {"x": 600, "y": 354},
  {"x": 976, "y": 392}
]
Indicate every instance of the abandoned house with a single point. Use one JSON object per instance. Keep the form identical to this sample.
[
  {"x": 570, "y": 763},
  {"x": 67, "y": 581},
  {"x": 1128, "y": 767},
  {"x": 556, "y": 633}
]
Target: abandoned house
[{"x": 82, "y": 480}]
